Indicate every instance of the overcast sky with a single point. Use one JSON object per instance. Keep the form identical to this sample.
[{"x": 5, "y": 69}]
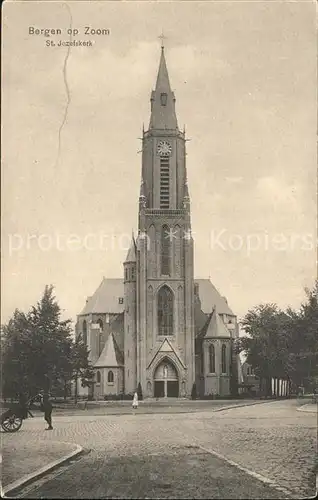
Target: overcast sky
[{"x": 244, "y": 79}]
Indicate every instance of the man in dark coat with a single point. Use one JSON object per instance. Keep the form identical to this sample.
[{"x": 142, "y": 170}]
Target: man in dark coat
[{"x": 46, "y": 406}]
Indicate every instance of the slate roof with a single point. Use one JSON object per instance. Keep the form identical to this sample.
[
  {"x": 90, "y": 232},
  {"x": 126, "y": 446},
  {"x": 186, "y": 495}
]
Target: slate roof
[
  {"x": 110, "y": 355},
  {"x": 216, "y": 327},
  {"x": 163, "y": 117},
  {"x": 106, "y": 298},
  {"x": 210, "y": 297}
]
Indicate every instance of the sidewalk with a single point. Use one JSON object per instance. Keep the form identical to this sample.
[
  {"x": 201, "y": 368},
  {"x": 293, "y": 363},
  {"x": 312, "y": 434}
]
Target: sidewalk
[
  {"x": 309, "y": 407},
  {"x": 151, "y": 406},
  {"x": 21, "y": 463}
]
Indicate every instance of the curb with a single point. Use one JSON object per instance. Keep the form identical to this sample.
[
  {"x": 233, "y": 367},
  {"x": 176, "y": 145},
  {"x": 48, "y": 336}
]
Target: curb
[
  {"x": 29, "y": 478},
  {"x": 302, "y": 408},
  {"x": 245, "y": 405}
]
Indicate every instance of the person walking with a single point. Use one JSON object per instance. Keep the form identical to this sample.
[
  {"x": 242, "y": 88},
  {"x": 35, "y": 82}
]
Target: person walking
[
  {"x": 135, "y": 401},
  {"x": 46, "y": 407}
]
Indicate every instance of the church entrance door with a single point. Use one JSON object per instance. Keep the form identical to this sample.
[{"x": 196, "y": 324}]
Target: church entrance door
[
  {"x": 159, "y": 389},
  {"x": 166, "y": 381}
]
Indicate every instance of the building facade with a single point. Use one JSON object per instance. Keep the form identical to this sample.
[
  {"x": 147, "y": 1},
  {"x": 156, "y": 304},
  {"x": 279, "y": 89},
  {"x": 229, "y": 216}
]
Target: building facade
[{"x": 158, "y": 326}]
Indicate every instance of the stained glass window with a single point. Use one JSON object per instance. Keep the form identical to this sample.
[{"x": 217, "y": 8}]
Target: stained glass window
[{"x": 165, "y": 311}]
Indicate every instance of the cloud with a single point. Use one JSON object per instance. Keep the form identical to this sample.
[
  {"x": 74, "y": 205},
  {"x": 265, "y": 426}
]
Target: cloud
[
  {"x": 274, "y": 190},
  {"x": 234, "y": 180}
]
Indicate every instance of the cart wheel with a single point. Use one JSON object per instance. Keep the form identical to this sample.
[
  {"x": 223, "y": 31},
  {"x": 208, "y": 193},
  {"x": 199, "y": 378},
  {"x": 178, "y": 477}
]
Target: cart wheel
[{"x": 12, "y": 423}]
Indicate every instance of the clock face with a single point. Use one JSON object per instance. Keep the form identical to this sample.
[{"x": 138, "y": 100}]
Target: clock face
[{"x": 164, "y": 148}]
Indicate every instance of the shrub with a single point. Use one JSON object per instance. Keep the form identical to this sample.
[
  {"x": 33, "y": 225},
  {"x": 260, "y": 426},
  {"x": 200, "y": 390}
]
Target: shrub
[
  {"x": 139, "y": 392},
  {"x": 194, "y": 391}
]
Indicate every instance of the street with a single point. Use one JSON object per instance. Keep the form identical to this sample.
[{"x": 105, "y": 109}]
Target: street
[{"x": 180, "y": 455}]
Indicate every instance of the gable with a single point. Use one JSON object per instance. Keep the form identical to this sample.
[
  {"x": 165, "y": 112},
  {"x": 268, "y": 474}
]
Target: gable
[{"x": 166, "y": 348}]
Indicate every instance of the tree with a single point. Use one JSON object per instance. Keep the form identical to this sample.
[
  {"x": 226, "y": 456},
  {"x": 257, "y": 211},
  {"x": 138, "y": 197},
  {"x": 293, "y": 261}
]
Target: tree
[
  {"x": 282, "y": 344},
  {"x": 15, "y": 348},
  {"x": 304, "y": 346},
  {"x": 51, "y": 341},
  {"x": 80, "y": 367},
  {"x": 38, "y": 351}
]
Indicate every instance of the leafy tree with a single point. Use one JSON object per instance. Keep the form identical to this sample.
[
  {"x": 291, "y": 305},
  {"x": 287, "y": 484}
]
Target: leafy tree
[
  {"x": 282, "y": 344},
  {"x": 38, "y": 351},
  {"x": 304, "y": 346},
  {"x": 15, "y": 348}
]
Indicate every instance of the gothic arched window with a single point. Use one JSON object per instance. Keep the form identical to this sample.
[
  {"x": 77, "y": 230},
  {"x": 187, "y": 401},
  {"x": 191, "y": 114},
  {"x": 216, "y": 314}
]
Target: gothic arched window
[
  {"x": 110, "y": 377},
  {"x": 98, "y": 377},
  {"x": 165, "y": 250},
  {"x": 85, "y": 332},
  {"x": 223, "y": 358},
  {"x": 165, "y": 311},
  {"x": 101, "y": 325},
  {"x": 212, "y": 358}
]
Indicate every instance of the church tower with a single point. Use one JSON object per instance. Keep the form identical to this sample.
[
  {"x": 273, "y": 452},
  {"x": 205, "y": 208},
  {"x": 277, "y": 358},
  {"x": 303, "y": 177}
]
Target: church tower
[{"x": 164, "y": 254}]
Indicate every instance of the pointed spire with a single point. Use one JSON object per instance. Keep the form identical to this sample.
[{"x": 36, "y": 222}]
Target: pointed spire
[
  {"x": 134, "y": 240},
  {"x": 186, "y": 191},
  {"x": 142, "y": 197},
  {"x": 186, "y": 197},
  {"x": 131, "y": 255},
  {"x": 163, "y": 115}
]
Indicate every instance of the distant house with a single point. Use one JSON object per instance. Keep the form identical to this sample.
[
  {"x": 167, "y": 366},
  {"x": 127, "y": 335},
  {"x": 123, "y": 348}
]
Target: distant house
[
  {"x": 251, "y": 383},
  {"x": 254, "y": 386}
]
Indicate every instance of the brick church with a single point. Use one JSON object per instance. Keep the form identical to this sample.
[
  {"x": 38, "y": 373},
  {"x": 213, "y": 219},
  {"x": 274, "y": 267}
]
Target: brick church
[{"x": 158, "y": 325}]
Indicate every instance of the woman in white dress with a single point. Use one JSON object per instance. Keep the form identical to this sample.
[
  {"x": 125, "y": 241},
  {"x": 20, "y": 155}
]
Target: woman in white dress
[{"x": 135, "y": 401}]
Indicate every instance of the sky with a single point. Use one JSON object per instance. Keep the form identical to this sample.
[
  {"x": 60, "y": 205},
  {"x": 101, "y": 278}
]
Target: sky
[{"x": 244, "y": 76}]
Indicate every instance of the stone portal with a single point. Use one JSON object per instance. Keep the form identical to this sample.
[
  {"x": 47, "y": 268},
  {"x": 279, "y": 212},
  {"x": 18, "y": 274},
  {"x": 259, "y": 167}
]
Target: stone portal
[{"x": 166, "y": 383}]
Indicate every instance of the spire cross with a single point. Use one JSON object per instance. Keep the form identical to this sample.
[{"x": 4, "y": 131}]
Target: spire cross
[{"x": 162, "y": 38}]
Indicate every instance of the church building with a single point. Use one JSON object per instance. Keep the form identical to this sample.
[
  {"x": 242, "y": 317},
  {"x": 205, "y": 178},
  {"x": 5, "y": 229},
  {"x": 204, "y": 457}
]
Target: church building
[{"x": 158, "y": 326}]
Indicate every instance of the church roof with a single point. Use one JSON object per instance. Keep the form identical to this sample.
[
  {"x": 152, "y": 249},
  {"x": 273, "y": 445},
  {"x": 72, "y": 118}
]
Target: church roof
[
  {"x": 106, "y": 298},
  {"x": 110, "y": 355},
  {"x": 210, "y": 297},
  {"x": 163, "y": 115},
  {"x": 214, "y": 327}
]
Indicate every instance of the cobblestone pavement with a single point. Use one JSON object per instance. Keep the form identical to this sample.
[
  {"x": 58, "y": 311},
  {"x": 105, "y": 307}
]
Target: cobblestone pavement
[
  {"x": 274, "y": 440},
  {"x": 159, "y": 455}
]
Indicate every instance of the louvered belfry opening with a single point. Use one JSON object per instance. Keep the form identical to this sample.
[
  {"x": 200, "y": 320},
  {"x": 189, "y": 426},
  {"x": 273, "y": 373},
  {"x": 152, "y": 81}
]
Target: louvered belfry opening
[{"x": 164, "y": 182}]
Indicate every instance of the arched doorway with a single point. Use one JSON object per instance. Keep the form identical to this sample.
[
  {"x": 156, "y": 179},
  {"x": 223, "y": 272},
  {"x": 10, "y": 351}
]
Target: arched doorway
[{"x": 166, "y": 380}]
